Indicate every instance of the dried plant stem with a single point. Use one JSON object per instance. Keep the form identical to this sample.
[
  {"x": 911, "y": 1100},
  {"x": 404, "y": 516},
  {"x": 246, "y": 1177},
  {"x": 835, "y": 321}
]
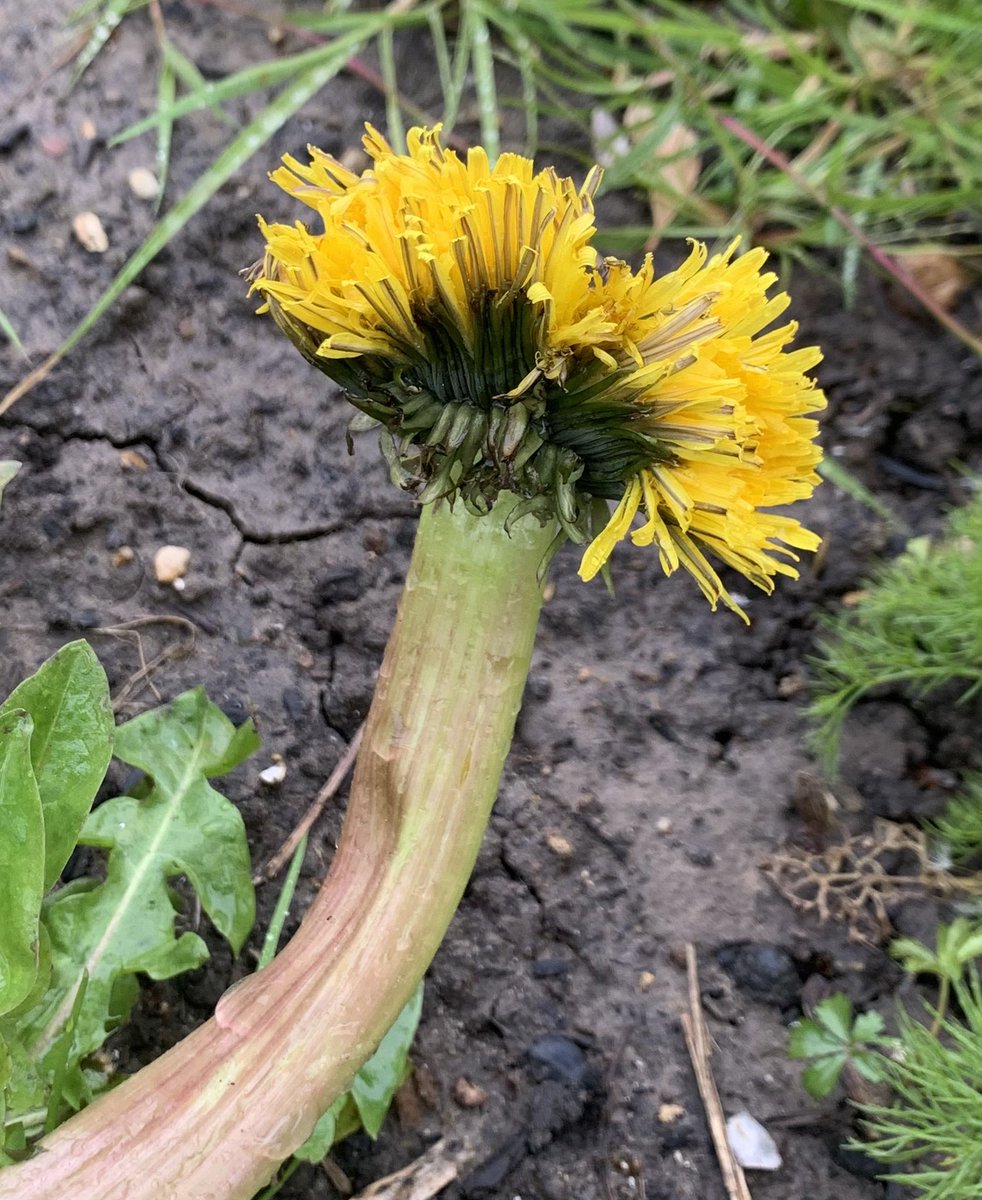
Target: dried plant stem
[
  {"x": 213, "y": 1118},
  {"x": 282, "y": 856},
  {"x": 697, "y": 1043}
]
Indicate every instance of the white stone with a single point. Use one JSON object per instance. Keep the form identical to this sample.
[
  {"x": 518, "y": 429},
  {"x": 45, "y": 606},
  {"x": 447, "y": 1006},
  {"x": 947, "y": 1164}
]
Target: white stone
[{"x": 752, "y": 1146}]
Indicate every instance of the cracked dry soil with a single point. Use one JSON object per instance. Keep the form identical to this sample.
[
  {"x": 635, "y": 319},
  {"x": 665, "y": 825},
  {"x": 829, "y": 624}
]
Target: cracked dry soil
[{"x": 656, "y": 756}]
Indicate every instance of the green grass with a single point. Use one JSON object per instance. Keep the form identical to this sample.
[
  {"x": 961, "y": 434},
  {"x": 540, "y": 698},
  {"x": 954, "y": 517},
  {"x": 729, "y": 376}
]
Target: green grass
[
  {"x": 849, "y": 126},
  {"x": 917, "y": 627}
]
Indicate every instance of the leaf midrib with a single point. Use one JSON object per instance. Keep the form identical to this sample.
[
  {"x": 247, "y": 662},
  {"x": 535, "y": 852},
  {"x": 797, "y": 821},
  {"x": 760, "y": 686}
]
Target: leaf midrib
[{"x": 95, "y": 956}]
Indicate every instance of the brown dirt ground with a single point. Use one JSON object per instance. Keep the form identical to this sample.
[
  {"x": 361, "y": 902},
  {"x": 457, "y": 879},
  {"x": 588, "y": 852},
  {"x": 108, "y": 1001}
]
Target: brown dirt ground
[{"x": 185, "y": 419}]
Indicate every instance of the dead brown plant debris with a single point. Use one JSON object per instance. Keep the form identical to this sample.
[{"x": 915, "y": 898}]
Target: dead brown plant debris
[{"x": 856, "y": 880}]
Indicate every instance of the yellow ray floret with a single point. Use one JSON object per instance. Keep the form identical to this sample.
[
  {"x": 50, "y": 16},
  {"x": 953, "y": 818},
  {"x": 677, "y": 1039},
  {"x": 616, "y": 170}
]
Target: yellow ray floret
[
  {"x": 452, "y": 282},
  {"x": 428, "y": 230}
]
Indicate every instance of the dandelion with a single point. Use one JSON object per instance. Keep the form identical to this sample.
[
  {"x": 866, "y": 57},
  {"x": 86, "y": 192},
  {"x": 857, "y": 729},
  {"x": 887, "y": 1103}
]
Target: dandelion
[
  {"x": 463, "y": 309},
  {"x": 530, "y": 386}
]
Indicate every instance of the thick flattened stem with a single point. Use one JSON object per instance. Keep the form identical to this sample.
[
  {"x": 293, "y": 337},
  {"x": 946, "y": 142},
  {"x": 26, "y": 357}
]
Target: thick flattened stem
[{"x": 212, "y": 1118}]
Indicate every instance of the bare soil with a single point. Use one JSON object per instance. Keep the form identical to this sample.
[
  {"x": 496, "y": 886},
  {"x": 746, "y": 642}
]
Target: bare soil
[{"x": 659, "y": 752}]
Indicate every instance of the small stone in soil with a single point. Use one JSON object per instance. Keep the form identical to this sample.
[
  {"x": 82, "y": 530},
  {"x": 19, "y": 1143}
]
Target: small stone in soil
[
  {"x": 89, "y": 232},
  {"x": 295, "y": 704},
  {"x": 23, "y": 222},
  {"x": 763, "y": 971},
  {"x": 467, "y": 1094},
  {"x": 546, "y": 968},
  {"x": 273, "y": 775},
  {"x": 752, "y": 1146},
  {"x": 143, "y": 183},
  {"x": 563, "y": 1058},
  {"x": 700, "y": 856},
  {"x": 171, "y": 563},
  {"x": 561, "y": 846}
]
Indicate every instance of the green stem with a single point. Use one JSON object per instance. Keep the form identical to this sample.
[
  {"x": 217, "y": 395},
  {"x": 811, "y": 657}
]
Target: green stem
[
  {"x": 213, "y": 1118},
  {"x": 944, "y": 992}
]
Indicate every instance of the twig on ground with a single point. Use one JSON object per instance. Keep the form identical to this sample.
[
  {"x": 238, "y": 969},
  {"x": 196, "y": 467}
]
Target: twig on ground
[
  {"x": 697, "y": 1043},
  {"x": 129, "y": 631},
  {"x": 422, "y": 1179},
  {"x": 344, "y": 764}
]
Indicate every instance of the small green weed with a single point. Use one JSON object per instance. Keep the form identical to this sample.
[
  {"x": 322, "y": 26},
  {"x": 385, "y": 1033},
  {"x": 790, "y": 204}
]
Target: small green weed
[
  {"x": 958, "y": 945},
  {"x": 69, "y": 954},
  {"x": 917, "y": 626},
  {"x": 959, "y": 828},
  {"x": 934, "y": 1125},
  {"x": 835, "y": 1038}
]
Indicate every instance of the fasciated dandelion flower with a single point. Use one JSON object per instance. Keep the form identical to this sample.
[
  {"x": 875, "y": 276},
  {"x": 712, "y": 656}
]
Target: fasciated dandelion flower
[{"x": 462, "y": 307}]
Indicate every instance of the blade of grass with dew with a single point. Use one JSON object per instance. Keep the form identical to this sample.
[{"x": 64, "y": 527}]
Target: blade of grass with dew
[
  {"x": 393, "y": 110},
  {"x": 482, "y": 63},
  {"x": 166, "y": 94},
  {"x": 105, "y": 26},
  {"x": 258, "y": 77},
  {"x": 239, "y": 151},
  {"x": 283, "y": 902},
  {"x": 188, "y": 73},
  {"x": 451, "y": 88}
]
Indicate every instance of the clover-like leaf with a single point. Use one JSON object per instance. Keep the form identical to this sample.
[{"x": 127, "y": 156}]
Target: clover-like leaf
[{"x": 831, "y": 1039}]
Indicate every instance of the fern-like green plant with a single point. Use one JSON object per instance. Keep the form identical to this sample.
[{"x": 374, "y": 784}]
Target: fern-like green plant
[
  {"x": 918, "y": 626},
  {"x": 933, "y": 1130},
  {"x": 960, "y": 825}
]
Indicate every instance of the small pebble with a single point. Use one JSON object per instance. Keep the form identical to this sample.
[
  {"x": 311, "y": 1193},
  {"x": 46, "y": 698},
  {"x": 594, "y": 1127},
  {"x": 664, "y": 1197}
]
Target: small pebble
[
  {"x": 274, "y": 774},
  {"x": 699, "y": 856},
  {"x": 25, "y": 221},
  {"x": 143, "y": 183},
  {"x": 752, "y": 1146},
  {"x": 132, "y": 460},
  {"x": 664, "y": 826},
  {"x": 467, "y": 1094},
  {"x": 762, "y": 970},
  {"x": 645, "y": 980},
  {"x": 89, "y": 231},
  {"x": 87, "y": 129},
  {"x": 668, "y": 1114},
  {"x": 563, "y": 1058},
  {"x": 170, "y": 563},
  {"x": 123, "y": 556},
  {"x": 561, "y": 846},
  {"x": 54, "y": 145}
]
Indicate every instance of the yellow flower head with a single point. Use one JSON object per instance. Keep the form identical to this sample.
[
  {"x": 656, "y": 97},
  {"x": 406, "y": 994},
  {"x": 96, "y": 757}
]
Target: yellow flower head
[{"x": 462, "y": 308}]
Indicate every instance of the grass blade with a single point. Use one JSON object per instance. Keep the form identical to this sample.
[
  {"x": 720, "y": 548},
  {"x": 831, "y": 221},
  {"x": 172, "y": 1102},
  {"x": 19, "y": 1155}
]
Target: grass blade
[
  {"x": 255, "y": 78},
  {"x": 283, "y": 902},
  {"x": 10, "y": 333},
  {"x": 841, "y": 477},
  {"x": 105, "y": 26},
  {"x": 166, "y": 93},
  {"x": 393, "y": 109},
  {"x": 882, "y": 259},
  {"x": 482, "y": 61}
]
